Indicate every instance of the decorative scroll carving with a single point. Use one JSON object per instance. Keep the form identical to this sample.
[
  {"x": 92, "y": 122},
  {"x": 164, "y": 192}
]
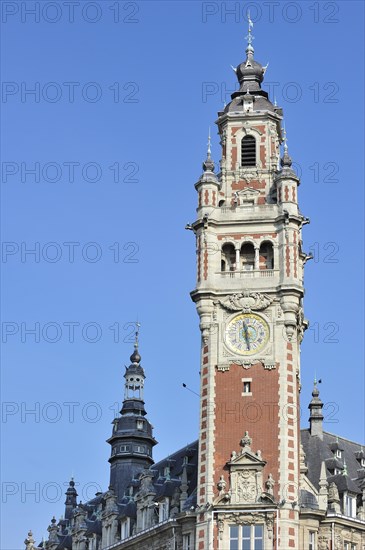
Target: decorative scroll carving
[
  {"x": 246, "y": 364},
  {"x": 246, "y": 302}
]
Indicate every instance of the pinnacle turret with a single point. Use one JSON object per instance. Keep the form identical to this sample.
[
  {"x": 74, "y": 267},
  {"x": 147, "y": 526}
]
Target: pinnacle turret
[{"x": 316, "y": 416}]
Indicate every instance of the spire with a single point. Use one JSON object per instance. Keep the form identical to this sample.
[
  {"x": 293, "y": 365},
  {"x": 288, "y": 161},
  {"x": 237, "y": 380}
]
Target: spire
[
  {"x": 135, "y": 357},
  {"x": 208, "y": 164},
  {"x": 316, "y": 416},
  {"x": 249, "y": 37},
  {"x": 323, "y": 487},
  {"x": 286, "y": 160}
]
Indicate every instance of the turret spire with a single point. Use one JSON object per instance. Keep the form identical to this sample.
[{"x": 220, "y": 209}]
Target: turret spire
[
  {"x": 135, "y": 357},
  {"x": 208, "y": 164},
  {"x": 286, "y": 160},
  {"x": 249, "y": 37}
]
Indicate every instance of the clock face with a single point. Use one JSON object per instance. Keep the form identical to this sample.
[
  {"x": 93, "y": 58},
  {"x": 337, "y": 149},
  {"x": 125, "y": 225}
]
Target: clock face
[{"x": 247, "y": 334}]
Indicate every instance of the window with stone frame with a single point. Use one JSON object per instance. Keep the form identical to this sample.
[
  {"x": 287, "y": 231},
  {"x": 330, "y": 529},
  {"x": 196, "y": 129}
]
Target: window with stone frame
[
  {"x": 246, "y": 537},
  {"x": 124, "y": 529},
  {"x": 163, "y": 510},
  {"x": 349, "y": 505},
  {"x": 187, "y": 542},
  {"x": 248, "y": 151},
  {"x": 312, "y": 540},
  {"x": 349, "y": 546}
]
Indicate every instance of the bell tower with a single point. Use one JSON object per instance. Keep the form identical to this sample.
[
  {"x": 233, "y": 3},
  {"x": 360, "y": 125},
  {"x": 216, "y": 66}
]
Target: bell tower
[{"x": 249, "y": 293}]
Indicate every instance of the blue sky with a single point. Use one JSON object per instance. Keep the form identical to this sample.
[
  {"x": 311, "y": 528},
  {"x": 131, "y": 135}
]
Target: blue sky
[{"x": 115, "y": 133}]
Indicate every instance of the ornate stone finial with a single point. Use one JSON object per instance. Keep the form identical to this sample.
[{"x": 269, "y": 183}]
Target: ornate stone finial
[
  {"x": 303, "y": 465},
  {"x": 269, "y": 484},
  {"x": 29, "y": 541},
  {"x": 333, "y": 497},
  {"x": 222, "y": 484},
  {"x": 249, "y": 37},
  {"x": 246, "y": 442}
]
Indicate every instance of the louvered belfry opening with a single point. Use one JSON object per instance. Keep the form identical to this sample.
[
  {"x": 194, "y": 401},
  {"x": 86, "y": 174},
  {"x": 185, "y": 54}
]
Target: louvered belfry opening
[{"x": 248, "y": 151}]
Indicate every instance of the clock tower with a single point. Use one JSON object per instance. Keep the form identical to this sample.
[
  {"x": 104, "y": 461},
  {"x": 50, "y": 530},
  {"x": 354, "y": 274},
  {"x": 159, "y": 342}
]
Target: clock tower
[{"x": 248, "y": 295}]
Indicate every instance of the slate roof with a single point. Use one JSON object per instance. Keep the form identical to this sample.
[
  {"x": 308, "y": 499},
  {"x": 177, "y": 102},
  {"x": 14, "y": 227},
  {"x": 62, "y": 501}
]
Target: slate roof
[{"x": 318, "y": 450}]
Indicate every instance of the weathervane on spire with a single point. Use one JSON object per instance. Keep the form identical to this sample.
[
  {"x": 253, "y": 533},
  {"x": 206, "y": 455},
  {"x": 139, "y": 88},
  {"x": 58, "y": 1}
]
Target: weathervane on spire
[
  {"x": 249, "y": 37},
  {"x": 285, "y": 139},
  {"x": 137, "y": 334},
  {"x": 209, "y": 148}
]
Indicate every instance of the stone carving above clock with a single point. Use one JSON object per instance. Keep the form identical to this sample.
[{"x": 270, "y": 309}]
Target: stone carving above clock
[{"x": 246, "y": 302}]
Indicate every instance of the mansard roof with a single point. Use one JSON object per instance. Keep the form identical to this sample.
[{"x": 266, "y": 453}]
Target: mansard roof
[{"x": 318, "y": 450}]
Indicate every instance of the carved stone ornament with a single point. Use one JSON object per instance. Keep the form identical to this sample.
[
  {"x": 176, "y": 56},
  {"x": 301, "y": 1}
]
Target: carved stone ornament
[
  {"x": 245, "y": 474},
  {"x": 246, "y": 302},
  {"x": 248, "y": 195},
  {"x": 221, "y": 485},
  {"x": 333, "y": 495},
  {"x": 246, "y": 364},
  {"x": 322, "y": 542},
  {"x": 220, "y": 528},
  {"x": 302, "y": 324},
  {"x": 246, "y": 486},
  {"x": 269, "y": 484},
  {"x": 246, "y": 442}
]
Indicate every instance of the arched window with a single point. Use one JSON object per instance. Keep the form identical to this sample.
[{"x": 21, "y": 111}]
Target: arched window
[
  {"x": 248, "y": 151},
  {"x": 266, "y": 256},
  {"x": 228, "y": 260},
  {"x": 248, "y": 257}
]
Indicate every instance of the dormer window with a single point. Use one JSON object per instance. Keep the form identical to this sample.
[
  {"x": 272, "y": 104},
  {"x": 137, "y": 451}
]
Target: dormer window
[
  {"x": 338, "y": 453},
  {"x": 124, "y": 529},
  {"x": 248, "y": 151},
  {"x": 349, "y": 502},
  {"x": 163, "y": 510},
  {"x": 362, "y": 462},
  {"x": 139, "y": 424},
  {"x": 337, "y": 472}
]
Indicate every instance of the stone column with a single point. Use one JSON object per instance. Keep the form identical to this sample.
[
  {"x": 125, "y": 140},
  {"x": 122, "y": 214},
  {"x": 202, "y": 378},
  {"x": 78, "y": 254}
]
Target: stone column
[
  {"x": 238, "y": 249},
  {"x": 257, "y": 258}
]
